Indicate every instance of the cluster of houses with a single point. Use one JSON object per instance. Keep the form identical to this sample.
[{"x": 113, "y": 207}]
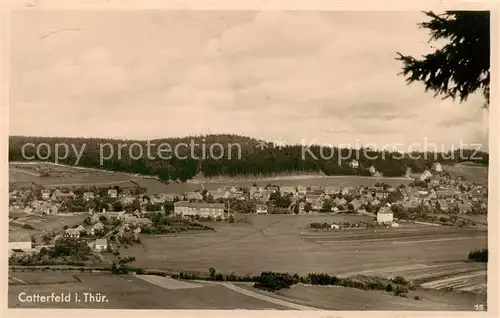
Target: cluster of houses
[{"x": 434, "y": 190}]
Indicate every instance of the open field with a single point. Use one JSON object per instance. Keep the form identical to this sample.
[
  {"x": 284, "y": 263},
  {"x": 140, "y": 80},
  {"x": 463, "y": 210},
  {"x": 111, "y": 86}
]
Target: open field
[
  {"x": 41, "y": 278},
  {"x": 275, "y": 242},
  {"x": 342, "y": 298},
  {"x": 41, "y": 223},
  {"x": 130, "y": 292},
  {"x": 474, "y": 173},
  {"x": 47, "y": 222}
]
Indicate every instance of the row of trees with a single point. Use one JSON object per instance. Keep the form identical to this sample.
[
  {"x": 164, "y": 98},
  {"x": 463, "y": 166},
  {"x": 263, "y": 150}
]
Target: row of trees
[{"x": 479, "y": 255}]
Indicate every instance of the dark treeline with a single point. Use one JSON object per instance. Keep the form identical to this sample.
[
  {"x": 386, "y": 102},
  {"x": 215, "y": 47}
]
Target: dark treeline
[
  {"x": 479, "y": 255},
  {"x": 239, "y": 156}
]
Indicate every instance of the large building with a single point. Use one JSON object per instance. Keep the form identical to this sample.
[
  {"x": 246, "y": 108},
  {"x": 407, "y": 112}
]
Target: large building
[
  {"x": 385, "y": 215},
  {"x": 185, "y": 208}
]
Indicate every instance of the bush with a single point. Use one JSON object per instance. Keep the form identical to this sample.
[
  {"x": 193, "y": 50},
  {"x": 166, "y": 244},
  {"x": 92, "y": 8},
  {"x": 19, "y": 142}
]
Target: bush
[
  {"x": 417, "y": 298},
  {"x": 389, "y": 288},
  {"x": 399, "y": 280},
  {"x": 275, "y": 281},
  {"x": 400, "y": 290},
  {"x": 140, "y": 271},
  {"x": 322, "y": 279},
  {"x": 479, "y": 255}
]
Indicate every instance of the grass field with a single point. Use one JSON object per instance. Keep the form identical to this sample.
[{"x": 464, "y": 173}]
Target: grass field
[
  {"x": 342, "y": 298},
  {"x": 282, "y": 243},
  {"x": 42, "y": 278},
  {"x": 130, "y": 292},
  {"x": 478, "y": 174},
  {"x": 41, "y": 223}
]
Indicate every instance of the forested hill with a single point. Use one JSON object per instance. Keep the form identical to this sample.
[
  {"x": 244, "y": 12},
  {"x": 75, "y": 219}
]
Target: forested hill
[{"x": 240, "y": 156}]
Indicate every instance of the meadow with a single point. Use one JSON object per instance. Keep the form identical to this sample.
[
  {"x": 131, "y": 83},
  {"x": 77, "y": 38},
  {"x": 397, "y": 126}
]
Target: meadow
[
  {"x": 342, "y": 298},
  {"x": 473, "y": 173},
  {"x": 130, "y": 292},
  {"x": 283, "y": 243}
]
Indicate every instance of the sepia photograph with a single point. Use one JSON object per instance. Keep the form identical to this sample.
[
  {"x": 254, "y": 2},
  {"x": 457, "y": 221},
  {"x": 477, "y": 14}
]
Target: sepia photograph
[{"x": 249, "y": 160}]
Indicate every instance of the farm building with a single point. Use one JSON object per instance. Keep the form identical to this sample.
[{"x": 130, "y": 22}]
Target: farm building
[
  {"x": 194, "y": 196},
  {"x": 315, "y": 200},
  {"x": 356, "y": 204},
  {"x": 261, "y": 209},
  {"x": 385, "y": 215},
  {"x": 464, "y": 208},
  {"x": 332, "y": 190},
  {"x": 437, "y": 167},
  {"x": 96, "y": 228},
  {"x": 185, "y": 208},
  {"x": 273, "y": 189},
  {"x": 354, "y": 164},
  {"x": 45, "y": 194},
  {"x": 301, "y": 190},
  {"x": 73, "y": 233},
  {"x": 217, "y": 194},
  {"x": 112, "y": 193},
  {"x": 88, "y": 196},
  {"x": 445, "y": 193},
  {"x": 287, "y": 190},
  {"x": 425, "y": 175},
  {"x": 101, "y": 244},
  {"x": 442, "y": 205},
  {"x": 58, "y": 195}
]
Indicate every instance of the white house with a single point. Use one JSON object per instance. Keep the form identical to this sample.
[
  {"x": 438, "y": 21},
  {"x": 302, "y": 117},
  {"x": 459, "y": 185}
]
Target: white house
[
  {"x": 88, "y": 196},
  {"x": 185, "y": 208},
  {"x": 45, "y": 194},
  {"x": 96, "y": 228},
  {"x": 354, "y": 164},
  {"x": 425, "y": 175},
  {"x": 438, "y": 167},
  {"x": 73, "y": 233},
  {"x": 332, "y": 189},
  {"x": 385, "y": 215},
  {"x": 101, "y": 244},
  {"x": 112, "y": 193},
  {"x": 261, "y": 209}
]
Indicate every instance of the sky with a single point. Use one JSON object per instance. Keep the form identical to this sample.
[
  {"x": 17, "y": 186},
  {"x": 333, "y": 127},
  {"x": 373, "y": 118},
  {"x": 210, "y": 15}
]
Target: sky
[{"x": 297, "y": 77}]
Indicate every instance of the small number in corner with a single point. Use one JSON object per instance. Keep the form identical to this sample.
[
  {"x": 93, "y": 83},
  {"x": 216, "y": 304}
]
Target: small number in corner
[{"x": 479, "y": 307}]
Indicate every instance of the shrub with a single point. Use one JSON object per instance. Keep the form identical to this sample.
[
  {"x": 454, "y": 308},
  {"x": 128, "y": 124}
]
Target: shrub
[
  {"x": 275, "y": 281},
  {"x": 389, "y": 288},
  {"x": 322, "y": 279},
  {"x": 417, "y": 298},
  {"x": 400, "y": 290},
  {"x": 479, "y": 255},
  {"x": 140, "y": 271},
  {"x": 399, "y": 280}
]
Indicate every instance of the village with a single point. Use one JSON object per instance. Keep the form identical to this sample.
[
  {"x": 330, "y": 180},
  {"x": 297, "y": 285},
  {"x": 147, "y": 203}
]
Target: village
[{"x": 118, "y": 216}]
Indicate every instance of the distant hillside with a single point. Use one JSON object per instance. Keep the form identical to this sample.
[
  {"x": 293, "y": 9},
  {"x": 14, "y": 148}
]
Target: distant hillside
[{"x": 254, "y": 161}]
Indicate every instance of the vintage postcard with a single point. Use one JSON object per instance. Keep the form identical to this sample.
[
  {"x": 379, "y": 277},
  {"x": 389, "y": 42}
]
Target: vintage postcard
[{"x": 322, "y": 161}]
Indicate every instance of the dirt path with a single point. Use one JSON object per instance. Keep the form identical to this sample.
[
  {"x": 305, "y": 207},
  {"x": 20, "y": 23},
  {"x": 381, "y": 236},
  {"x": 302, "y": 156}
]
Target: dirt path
[{"x": 267, "y": 298}]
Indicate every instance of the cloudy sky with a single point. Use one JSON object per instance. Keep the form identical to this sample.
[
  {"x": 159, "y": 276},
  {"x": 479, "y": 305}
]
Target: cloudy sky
[{"x": 330, "y": 77}]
